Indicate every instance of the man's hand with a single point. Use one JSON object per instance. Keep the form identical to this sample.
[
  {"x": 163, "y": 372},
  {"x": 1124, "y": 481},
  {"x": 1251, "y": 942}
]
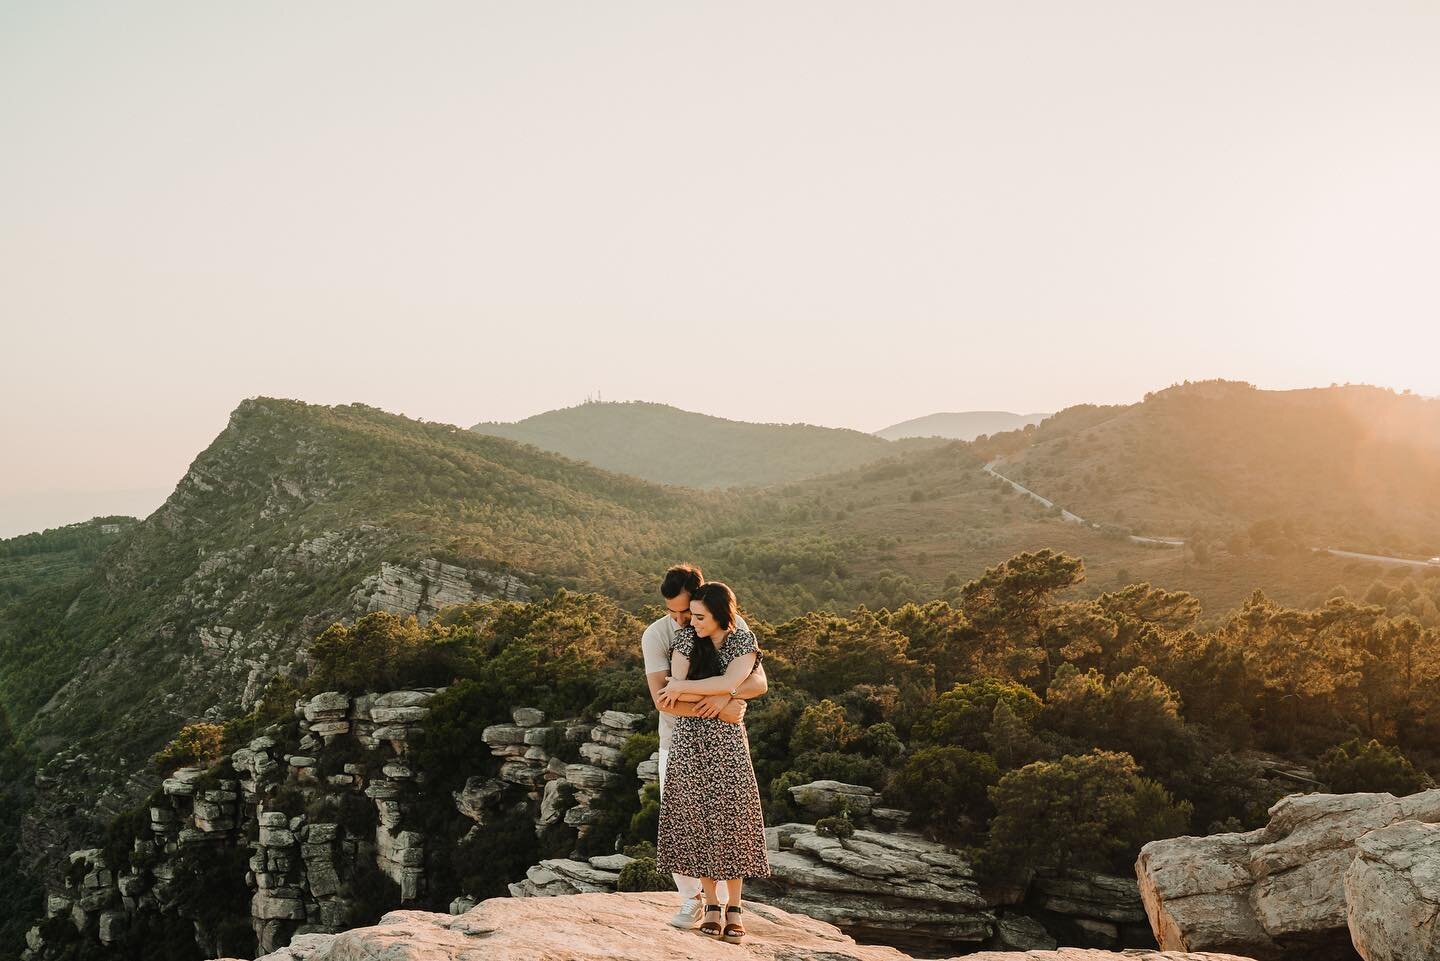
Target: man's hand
[
  {"x": 733, "y": 712},
  {"x": 712, "y": 706}
]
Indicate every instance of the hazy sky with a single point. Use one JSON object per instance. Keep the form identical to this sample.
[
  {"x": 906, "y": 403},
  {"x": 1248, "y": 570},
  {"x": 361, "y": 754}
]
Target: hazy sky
[{"x": 848, "y": 214}]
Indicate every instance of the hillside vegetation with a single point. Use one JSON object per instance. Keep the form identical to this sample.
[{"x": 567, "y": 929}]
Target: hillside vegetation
[
  {"x": 1351, "y": 467},
  {"x": 1030, "y": 727},
  {"x": 31, "y": 562},
  {"x": 672, "y": 446}
]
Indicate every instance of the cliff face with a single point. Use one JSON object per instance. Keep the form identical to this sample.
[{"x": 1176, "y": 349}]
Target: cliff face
[{"x": 321, "y": 824}]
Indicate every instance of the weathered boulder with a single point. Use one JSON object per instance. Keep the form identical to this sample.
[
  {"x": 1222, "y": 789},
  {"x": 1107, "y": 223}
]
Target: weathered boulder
[
  {"x": 328, "y": 706},
  {"x": 897, "y": 889},
  {"x": 602, "y": 755},
  {"x": 591, "y": 927},
  {"x": 587, "y": 777},
  {"x": 477, "y": 795},
  {"x": 1274, "y": 893},
  {"x": 1392, "y": 893},
  {"x": 827, "y": 797},
  {"x": 620, "y": 720},
  {"x": 528, "y": 716}
]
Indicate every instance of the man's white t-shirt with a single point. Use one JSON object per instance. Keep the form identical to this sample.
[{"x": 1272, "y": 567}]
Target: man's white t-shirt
[{"x": 656, "y": 644}]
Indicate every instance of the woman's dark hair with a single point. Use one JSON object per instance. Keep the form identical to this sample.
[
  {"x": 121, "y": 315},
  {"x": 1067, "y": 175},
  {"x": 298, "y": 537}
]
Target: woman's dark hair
[
  {"x": 681, "y": 579},
  {"x": 719, "y": 600}
]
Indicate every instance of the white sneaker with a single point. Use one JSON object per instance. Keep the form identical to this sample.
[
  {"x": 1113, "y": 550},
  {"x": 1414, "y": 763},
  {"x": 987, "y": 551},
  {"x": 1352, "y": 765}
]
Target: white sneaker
[{"x": 689, "y": 914}]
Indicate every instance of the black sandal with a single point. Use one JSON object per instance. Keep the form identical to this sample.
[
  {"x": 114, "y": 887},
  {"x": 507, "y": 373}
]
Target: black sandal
[
  {"x": 734, "y": 932},
  {"x": 711, "y": 929}
]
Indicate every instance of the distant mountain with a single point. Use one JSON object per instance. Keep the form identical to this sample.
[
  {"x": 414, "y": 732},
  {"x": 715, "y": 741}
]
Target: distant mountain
[
  {"x": 962, "y": 425},
  {"x": 1351, "y": 466},
  {"x": 667, "y": 445}
]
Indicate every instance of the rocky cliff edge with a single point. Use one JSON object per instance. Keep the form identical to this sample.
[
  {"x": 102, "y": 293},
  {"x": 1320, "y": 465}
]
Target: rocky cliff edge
[{"x": 590, "y": 927}]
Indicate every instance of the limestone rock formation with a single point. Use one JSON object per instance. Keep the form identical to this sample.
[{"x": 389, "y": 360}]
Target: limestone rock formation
[
  {"x": 1392, "y": 893},
  {"x": 592, "y": 927},
  {"x": 431, "y": 585},
  {"x": 1276, "y": 892}
]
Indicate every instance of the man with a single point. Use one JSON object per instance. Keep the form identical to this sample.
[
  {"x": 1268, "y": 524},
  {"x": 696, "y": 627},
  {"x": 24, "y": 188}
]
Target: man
[{"x": 679, "y": 583}]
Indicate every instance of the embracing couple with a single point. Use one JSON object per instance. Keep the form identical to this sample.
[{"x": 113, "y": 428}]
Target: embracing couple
[{"x": 702, "y": 663}]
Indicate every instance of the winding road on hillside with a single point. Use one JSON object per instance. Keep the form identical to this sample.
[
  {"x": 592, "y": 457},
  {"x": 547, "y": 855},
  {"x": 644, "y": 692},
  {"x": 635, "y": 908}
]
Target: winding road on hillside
[{"x": 1070, "y": 517}]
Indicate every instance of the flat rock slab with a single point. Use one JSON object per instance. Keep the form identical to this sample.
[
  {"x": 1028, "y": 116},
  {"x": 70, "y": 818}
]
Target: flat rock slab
[
  {"x": 1096, "y": 954},
  {"x": 603, "y": 927}
]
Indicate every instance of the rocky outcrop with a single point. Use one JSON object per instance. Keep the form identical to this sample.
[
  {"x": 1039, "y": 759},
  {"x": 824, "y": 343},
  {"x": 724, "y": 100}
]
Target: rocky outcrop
[
  {"x": 221, "y": 630},
  {"x": 592, "y": 927},
  {"x": 535, "y": 759},
  {"x": 1392, "y": 893},
  {"x": 430, "y": 585},
  {"x": 898, "y": 888},
  {"x": 285, "y": 804},
  {"x": 894, "y": 888},
  {"x": 1277, "y": 892}
]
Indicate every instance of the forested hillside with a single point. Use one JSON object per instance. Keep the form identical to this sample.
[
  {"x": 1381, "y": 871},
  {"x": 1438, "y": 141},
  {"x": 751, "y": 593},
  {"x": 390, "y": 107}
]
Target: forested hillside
[
  {"x": 31, "y": 562},
  {"x": 1352, "y": 467}
]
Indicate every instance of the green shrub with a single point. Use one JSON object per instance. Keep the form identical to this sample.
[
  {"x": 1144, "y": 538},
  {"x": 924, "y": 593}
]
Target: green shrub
[
  {"x": 850, "y": 768},
  {"x": 638, "y": 747},
  {"x": 879, "y": 741},
  {"x": 642, "y": 875},
  {"x": 370, "y": 892},
  {"x": 646, "y": 821},
  {"x": 557, "y": 745},
  {"x": 945, "y": 788},
  {"x": 1091, "y": 811},
  {"x": 491, "y": 858},
  {"x": 835, "y": 827},
  {"x": 782, "y": 804},
  {"x": 1359, "y": 765},
  {"x": 962, "y": 715},
  {"x": 287, "y": 799},
  {"x": 201, "y": 744},
  {"x": 822, "y": 728},
  {"x": 639, "y": 849}
]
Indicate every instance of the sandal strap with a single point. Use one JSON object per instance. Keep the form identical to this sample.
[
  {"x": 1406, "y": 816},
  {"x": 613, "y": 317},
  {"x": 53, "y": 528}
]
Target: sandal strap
[
  {"x": 733, "y": 907},
  {"x": 712, "y": 907}
]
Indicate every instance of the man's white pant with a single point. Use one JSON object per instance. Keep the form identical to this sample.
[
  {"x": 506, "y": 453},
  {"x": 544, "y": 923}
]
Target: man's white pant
[{"x": 688, "y": 886}]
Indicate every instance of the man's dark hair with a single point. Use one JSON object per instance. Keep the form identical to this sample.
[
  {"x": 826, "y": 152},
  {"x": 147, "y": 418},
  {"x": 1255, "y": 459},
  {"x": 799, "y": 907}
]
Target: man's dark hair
[{"x": 681, "y": 579}]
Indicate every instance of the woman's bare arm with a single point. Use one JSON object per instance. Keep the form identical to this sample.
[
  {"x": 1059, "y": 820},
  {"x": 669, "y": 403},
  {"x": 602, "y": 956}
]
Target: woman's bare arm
[{"x": 738, "y": 670}]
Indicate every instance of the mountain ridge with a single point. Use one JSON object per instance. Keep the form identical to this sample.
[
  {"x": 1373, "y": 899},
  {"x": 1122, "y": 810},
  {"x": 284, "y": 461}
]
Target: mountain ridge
[
  {"x": 960, "y": 425},
  {"x": 668, "y": 445}
]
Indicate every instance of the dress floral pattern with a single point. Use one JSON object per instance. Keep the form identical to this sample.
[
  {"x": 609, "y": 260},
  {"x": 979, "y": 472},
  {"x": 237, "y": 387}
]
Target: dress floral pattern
[{"x": 711, "y": 824}]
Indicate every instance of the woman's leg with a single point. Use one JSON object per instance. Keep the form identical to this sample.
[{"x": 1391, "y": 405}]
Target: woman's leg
[
  {"x": 734, "y": 928},
  {"x": 710, "y": 922}
]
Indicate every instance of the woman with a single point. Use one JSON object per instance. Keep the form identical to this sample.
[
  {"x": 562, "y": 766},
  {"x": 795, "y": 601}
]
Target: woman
[{"x": 711, "y": 825}]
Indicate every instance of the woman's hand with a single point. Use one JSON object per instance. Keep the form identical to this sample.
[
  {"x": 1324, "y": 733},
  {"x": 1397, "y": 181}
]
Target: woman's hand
[{"x": 671, "y": 692}]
